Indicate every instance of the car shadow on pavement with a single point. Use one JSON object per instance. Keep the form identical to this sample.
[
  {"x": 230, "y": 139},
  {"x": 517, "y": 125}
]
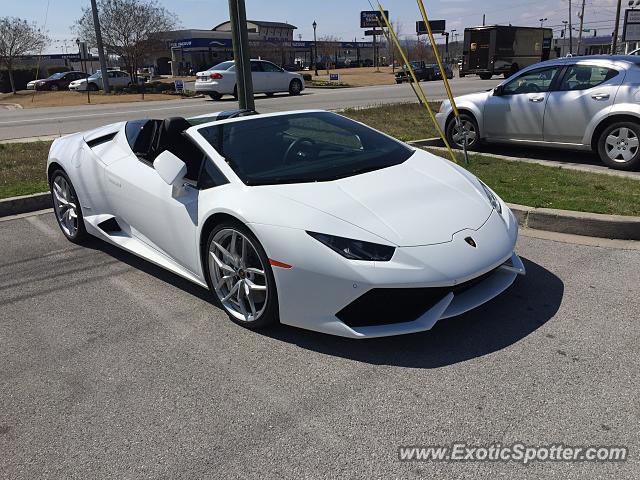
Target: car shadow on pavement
[{"x": 528, "y": 304}]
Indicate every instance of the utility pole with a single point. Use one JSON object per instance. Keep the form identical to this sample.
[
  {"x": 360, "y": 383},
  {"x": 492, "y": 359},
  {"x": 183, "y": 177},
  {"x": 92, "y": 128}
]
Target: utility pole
[
  {"x": 240, "y": 38},
  {"x": 614, "y": 37},
  {"x": 483, "y": 19},
  {"x": 581, "y": 25},
  {"x": 570, "y": 31},
  {"x": 103, "y": 62}
]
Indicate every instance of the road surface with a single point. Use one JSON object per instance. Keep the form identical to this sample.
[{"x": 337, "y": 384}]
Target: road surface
[
  {"x": 61, "y": 120},
  {"x": 113, "y": 368}
]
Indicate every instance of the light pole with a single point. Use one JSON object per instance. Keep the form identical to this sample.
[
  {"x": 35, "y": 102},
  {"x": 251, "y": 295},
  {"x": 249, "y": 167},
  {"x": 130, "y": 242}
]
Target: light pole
[
  {"x": 566, "y": 23},
  {"x": 454, "y": 37},
  {"x": 315, "y": 46},
  {"x": 542, "y": 20}
]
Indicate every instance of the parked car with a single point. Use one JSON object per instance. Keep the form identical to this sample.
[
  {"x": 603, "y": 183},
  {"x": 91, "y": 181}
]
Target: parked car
[
  {"x": 117, "y": 78},
  {"x": 57, "y": 81},
  {"x": 267, "y": 78},
  {"x": 583, "y": 103},
  {"x": 424, "y": 72}
]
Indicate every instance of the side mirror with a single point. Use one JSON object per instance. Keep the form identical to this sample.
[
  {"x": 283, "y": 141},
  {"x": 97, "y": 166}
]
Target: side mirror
[
  {"x": 498, "y": 91},
  {"x": 170, "y": 168}
]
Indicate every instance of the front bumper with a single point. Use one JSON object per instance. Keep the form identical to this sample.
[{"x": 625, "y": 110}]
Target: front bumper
[{"x": 315, "y": 293}]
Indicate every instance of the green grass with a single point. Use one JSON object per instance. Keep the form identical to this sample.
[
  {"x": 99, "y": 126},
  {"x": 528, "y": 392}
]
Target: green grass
[
  {"x": 404, "y": 121},
  {"x": 554, "y": 187},
  {"x": 22, "y": 168}
]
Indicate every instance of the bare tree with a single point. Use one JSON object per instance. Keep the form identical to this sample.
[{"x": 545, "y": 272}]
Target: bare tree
[
  {"x": 129, "y": 28},
  {"x": 327, "y": 46},
  {"x": 18, "y": 37}
]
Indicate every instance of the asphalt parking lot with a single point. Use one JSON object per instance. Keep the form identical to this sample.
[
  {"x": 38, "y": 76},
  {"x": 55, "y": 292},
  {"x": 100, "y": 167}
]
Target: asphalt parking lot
[{"x": 113, "y": 368}]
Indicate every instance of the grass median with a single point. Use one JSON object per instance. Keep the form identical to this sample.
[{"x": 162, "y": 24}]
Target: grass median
[{"x": 22, "y": 168}]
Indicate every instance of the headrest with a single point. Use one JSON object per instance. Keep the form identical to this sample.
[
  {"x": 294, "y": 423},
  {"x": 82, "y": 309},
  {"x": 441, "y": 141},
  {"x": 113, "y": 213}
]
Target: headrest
[{"x": 583, "y": 74}]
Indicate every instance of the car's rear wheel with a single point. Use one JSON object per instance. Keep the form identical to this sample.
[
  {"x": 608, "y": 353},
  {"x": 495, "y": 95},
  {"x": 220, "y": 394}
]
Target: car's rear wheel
[
  {"x": 455, "y": 133},
  {"x": 619, "y": 146},
  {"x": 54, "y": 88},
  {"x": 240, "y": 276},
  {"x": 215, "y": 96},
  {"x": 486, "y": 76},
  {"x": 67, "y": 207},
  {"x": 295, "y": 87},
  {"x": 235, "y": 92}
]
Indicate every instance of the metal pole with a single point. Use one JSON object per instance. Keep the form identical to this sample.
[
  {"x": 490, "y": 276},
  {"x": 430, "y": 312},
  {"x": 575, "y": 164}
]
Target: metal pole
[
  {"x": 240, "y": 38},
  {"x": 581, "y": 25},
  {"x": 103, "y": 62},
  {"x": 570, "y": 31},
  {"x": 315, "y": 47},
  {"x": 614, "y": 39}
]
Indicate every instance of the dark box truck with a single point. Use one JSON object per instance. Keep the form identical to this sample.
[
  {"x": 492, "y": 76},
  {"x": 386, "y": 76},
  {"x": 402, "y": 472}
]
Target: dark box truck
[{"x": 503, "y": 50}]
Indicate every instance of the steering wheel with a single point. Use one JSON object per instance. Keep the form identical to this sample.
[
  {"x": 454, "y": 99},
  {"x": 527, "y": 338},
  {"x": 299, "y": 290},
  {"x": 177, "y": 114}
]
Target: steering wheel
[
  {"x": 533, "y": 88},
  {"x": 300, "y": 149}
]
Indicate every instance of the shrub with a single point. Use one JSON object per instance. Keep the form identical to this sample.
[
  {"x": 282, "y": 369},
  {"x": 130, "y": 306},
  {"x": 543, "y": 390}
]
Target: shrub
[{"x": 307, "y": 77}]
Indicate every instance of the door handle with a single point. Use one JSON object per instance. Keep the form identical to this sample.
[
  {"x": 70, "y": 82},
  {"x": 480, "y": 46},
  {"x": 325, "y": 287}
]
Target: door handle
[
  {"x": 600, "y": 96},
  {"x": 536, "y": 99}
]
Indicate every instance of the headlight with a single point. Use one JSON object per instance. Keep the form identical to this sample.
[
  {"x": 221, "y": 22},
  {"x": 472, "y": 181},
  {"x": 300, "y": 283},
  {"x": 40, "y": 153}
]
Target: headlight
[
  {"x": 493, "y": 200},
  {"x": 355, "y": 249}
]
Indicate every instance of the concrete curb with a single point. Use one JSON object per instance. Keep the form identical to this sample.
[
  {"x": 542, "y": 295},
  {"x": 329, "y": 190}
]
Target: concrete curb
[
  {"x": 560, "y": 221},
  {"x": 578, "y": 223},
  {"x": 24, "y": 204}
]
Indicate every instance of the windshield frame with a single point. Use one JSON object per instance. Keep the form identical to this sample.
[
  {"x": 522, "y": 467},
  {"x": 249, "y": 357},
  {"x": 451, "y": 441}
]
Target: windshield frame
[{"x": 227, "y": 164}]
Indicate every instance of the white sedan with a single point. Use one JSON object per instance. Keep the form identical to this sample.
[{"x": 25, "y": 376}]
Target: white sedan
[
  {"x": 117, "y": 78},
  {"x": 267, "y": 78},
  {"x": 305, "y": 217}
]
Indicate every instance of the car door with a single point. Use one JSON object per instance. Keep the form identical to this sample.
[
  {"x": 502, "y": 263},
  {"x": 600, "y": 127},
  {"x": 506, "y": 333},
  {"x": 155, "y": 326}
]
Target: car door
[
  {"x": 582, "y": 94},
  {"x": 164, "y": 217},
  {"x": 259, "y": 77},
  {"x": 517, "y": 112},
  {"x": 277, "y": 78}
]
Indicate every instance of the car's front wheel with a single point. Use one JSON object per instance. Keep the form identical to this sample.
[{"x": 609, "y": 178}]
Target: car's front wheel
[
  {"x": 295, "y": 87},
  {"x": 67, "y": 207},
  {"x": 619, "y": 146},
  {"x": 240, "y": 276},
  {"x": 456, "y": 132},
  {"x": 215, "y": 96},
  {"x": 93, "y": 87},
  {"x": 54, "y": 88}
]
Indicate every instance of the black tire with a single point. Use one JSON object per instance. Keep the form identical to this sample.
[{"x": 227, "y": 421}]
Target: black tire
[
  {"x": 612, "y": 155},
  {"x": 80, "y": 234},
  {"x": 215, "y": 95},
  {"x": 451, "y": 132},
  {"x": 235, "y": 92},
  {"x": 270, "y": 314},
  {"x": 295, "y": 87},
  {"x": 485, "y": 76},
  {"x": 93, "y": 87},
  {"x": 269, "y": 94},
  {"x": 461, "y": 75},
  {"x": 54, "y": 88}
]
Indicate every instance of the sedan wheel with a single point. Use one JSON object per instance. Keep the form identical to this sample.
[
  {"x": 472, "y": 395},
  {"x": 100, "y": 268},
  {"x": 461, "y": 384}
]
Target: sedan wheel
[
  {"x": 619, "y": 146},
  {"x": 54, "y": 88},
  {"x": 67, "y": 207},
  {"x": 456, "y": 133},
  {"x": 295, "y": 87},
  {"x": 241, "y": 276}
]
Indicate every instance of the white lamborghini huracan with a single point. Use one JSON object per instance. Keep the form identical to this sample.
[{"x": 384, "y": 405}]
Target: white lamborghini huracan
[{"x": 304, "y": 217}]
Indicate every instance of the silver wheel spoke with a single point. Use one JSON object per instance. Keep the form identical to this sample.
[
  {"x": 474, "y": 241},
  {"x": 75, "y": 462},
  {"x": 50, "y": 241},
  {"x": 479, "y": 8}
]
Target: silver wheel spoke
[
  {"x": 253, "y": 286},
  {"x": 612, "y": 140},
  {"x": 254, "y": 271},
  {"x": 231, "y": 292},
  {"x": 633, "y": 142},
  {"x": 224, "y": 252},
  {"x": 243, "y": 309},
  {"x": 624, "y": 133},
  {"x": 220, "y": 264}
]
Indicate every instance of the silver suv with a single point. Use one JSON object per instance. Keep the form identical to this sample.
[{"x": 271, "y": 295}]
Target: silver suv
[{"x": 585, "y": 103}]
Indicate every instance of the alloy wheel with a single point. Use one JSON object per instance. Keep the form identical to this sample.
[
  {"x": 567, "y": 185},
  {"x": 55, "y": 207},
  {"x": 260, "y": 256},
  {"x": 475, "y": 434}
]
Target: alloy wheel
[
  {"x": 621, "y": 145},
  {"x": 458, "y": 133},
  {"x": 238, "y": 275},
  {"x": 65, "y": 205}
]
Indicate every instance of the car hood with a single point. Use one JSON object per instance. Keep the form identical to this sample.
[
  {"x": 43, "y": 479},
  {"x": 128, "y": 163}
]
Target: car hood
[
  {"x": 478, "y": 97},
  {"x": 423, "y": 201}
]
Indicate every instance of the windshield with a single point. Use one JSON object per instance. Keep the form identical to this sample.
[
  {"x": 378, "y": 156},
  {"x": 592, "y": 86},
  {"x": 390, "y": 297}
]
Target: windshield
[
  {"x": 302, "y": 147},
  {"x": 98, "y": 74},
  {"x": 56, "y": 76},
  {"x": 223, "y": 66}
]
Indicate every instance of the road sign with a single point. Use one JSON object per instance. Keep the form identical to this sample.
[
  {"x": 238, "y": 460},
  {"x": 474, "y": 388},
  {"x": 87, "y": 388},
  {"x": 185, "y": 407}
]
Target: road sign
[
  {"x": 370, "y": 18},
  {"x": 84, "y": 52},
  {"x": 179, "y": 85},
  {"x": 334, "y": 77},
  {"x": 631, "y": 31},
  {"x": 437, "y": 26}
]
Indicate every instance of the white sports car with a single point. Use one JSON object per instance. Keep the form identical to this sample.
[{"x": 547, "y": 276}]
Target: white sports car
[{"x": 305, "y": 217}]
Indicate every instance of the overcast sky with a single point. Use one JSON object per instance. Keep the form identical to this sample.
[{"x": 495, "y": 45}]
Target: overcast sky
[{"x": 334, "y": 17}]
